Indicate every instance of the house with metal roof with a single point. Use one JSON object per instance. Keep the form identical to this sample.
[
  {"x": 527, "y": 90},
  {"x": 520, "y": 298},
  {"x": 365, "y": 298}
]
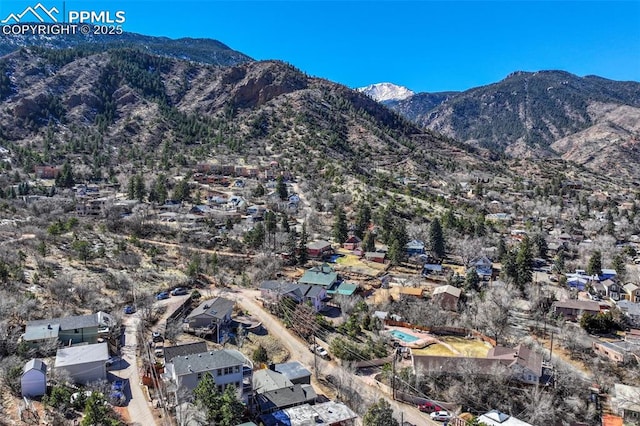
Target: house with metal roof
[
  {"x": 170, "y": 352},
  {"x": 33, "y": 381},
  {"x": 284, "y": 397},
  {"x": 227, "y": 367},
  {"x": 294, "y": 371},
  {"x": 322, "y": 275},
  {"x": 211, "y": 313},
  {"x": 84, "y": 363},
  {"x": 68, "y": 330}
]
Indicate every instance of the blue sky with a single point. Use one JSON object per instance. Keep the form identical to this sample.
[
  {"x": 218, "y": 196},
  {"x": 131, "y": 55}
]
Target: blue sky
[{"x": 424, "y": 45}]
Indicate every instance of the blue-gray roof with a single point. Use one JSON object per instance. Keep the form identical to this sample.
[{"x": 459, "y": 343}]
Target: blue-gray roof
[
  {"x": 69, "y": 323},
  {"x": 35, "y": 364},
  {"x": 207, "y": 361},
  {"x": 83, "y": 354},
  {"x": 215, "y": 308},
  {"x": 292, "y": 370}
]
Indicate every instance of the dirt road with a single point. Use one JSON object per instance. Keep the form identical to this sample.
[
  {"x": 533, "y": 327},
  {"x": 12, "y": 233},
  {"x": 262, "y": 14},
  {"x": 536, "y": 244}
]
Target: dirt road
[{"x": 246, "y": 298}]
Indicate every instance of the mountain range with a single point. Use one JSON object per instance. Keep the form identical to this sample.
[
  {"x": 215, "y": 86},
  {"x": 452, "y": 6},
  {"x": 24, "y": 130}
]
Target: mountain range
[
  {"x": 590, "y": 120},
  {"x": 206, "y": 51}
]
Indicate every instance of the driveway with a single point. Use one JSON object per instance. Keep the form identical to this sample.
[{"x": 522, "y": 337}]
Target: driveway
[
  {"x": 246, "y": 298},
  {"x": 139, "y": 407}
]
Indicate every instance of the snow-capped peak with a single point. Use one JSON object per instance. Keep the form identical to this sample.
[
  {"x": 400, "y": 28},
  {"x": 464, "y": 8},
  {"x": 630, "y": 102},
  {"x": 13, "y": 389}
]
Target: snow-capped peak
[{"x": 382, "y": 92}]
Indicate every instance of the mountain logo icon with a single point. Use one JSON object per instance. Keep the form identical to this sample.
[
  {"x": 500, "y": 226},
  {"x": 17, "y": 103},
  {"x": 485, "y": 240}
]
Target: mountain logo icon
[{"x": 39, "y": 12}]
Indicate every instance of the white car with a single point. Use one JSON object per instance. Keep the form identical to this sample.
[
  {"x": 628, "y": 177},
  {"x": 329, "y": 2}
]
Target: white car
[
  {"x": 441, "y": 416},
  {"x": 320, "y": 351}
]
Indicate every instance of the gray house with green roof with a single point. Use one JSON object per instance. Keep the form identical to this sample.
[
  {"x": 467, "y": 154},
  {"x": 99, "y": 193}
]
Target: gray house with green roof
[
  {"x": 228, "y": 367},
  {"x": 322, "y": 275}
]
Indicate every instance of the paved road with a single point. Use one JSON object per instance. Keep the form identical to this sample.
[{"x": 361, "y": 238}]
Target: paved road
[
  {"x": 246, "y": 298},
  {"x": 139, "y": 406}
]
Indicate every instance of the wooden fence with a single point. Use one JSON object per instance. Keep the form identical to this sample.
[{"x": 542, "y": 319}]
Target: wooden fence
[{"x": 442, "y": 330}]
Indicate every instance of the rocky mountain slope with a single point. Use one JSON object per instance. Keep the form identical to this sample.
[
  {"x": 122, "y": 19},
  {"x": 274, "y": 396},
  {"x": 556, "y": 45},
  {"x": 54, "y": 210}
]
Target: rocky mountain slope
[
  {"x": 125, "y": 111},
  {"x": 531, "y": 114},
  {"x": 193, "y": 49}
]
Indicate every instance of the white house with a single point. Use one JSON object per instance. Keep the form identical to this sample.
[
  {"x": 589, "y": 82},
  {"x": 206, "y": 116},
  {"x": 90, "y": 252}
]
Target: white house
[
  {"x": 228, "y": 367},
  {"x": 84, "y": 364},
  {"x": 34, "y": 379}
]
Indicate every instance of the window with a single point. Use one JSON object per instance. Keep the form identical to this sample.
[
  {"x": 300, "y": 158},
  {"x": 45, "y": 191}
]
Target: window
[
  {"x": 199, "y": 376},
  {"x": 219, "y": 372},
  {"x": 236, "y": 369},
  {"x": 76, "y": 331},
  {"x": 220, "y": 388}
]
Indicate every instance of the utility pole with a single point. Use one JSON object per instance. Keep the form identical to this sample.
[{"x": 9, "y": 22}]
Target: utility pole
[
  {"x": 551, "y": 350},
  {"x": 393, "y": 377},
  {"x": 315, "y": 356}
]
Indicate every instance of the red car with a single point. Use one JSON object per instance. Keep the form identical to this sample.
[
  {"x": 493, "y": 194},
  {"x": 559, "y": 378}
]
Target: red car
[{"x": 429, "y": 407}]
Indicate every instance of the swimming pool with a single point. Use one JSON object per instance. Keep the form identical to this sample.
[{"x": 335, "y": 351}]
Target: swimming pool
[{"x": 403, "y": 336}]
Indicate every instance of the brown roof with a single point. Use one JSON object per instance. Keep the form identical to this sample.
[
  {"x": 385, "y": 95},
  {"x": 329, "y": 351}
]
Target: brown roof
[
  {"x": 448, "y": 289},
  {"x": 585, "y": 305},
  {"x": 411, "y": 291},
  {"x": 520, "y": 355}
]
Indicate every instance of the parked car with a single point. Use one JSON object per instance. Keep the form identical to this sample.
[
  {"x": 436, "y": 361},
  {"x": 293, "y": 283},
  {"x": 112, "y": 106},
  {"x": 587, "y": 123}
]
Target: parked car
[
  {"x": 320, "y": 351},
  {"x": 129, "y": 309},
  {"x": 429, "y": 407},
  {"x": 158, "y": 350},
  {"x": 162, "y": 296},
  {"x": 441, "y": 416},
  {"x": 180, "y": 291},
  {"x": 157, "y": 337}
]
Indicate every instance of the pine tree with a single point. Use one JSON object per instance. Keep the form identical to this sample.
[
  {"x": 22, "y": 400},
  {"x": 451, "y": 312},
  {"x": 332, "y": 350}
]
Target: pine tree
[
  {"x": 65, "y": 178},
  {"x": 395, "y": 253},
  {"x": 595, "y": 263},
  {"x": 303, "y": 256},
  {"x": 362, "y": 220},
  {"x": 368, "y": 243},
  {"x": 524, "y": 259},
  {"x": 620, "y": 267},
  {"x": 340, "y": 230},
  {"x": 436, "y": 239},
  {"x": 281, "y": 188},
  {"x": 284, "y": 224},
  {"x": 379, "y": 414}
]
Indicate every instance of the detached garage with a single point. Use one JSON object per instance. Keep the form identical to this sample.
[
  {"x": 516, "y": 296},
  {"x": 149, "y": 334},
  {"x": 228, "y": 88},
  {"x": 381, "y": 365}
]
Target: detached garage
[
  {"x": 34, "y": 379},
  {"x": 84, "y": 364}
]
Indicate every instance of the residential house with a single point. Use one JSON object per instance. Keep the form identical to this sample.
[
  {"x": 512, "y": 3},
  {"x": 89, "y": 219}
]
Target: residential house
[
  {"x": 411, "y": 292},
  {"x": 632, "y": 292},
  {"x": 294, "y": 372},
  {"x": 211, "y": 313},
  {"x": 573, "y": 309},
  {"x": 228, "y": 367},
  {"x": 525, "y": 363},
  {"x": 352, "y": 243},
  {"x": 483, "y": 267},
  {"x": 607, "y": 274},
  {"x": 414, "y": 247},
  {"x": 618, "y": 352},
  {"x": 374, "y": 256},
  {"x": 68, "y": 330},
  {"x": 319, "y": 249},
  {"x": 431, "y": 269},
  {"x": 327, "y": 414},
  {"x": 626, "y": 403},
  {"x": 322, "y": 275},
  {"x": 84, "y": 363},
  {"x": 33, "y": 381},
  {"x": 613, "y": 290},
  {"x": 273, "y": 291},
  {"x": 170, "y": 352},
  {"x": 447, "y": 297},
  {"x": 46, "y": 172},
  {"x": 344, "y": 289},
  {"x": 497, "y": 418},
  {"x": 578, "y": 281},
  {"x": 631, "y": 310},
  {"x": 285, "y": 397}
]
